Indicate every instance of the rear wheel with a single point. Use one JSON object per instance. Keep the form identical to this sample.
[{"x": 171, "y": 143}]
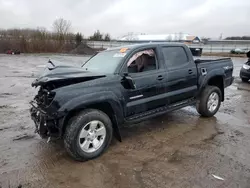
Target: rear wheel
[
  {"x": 209, "y": 102},
  {"x": 244, "y": 79},
  {"x": 88, "y": 135}
]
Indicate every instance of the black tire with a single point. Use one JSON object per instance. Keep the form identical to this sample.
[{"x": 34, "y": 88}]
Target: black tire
[
  {"x": 201, "y": 105},
  {"x": 74, "y": 127},
  {"x": 244, "y": 79}
]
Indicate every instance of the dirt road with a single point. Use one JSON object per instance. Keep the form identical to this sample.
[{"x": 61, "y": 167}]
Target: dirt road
[{"x": 179, "y": 149}]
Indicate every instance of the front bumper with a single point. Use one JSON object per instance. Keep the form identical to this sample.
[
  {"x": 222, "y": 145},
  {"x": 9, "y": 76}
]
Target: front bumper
[
  {"x": 46, "y": 124},
  {"x": 244, "y": 73}
]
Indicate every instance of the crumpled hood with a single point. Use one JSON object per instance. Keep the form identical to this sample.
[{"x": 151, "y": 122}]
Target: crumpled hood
[{"x": 58, "y": 72}]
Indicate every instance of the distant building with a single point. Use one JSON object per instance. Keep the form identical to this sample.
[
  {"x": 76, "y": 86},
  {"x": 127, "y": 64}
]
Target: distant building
[
  {"x": 180, "y": 37},
  {"x": 177, "y": 37}
]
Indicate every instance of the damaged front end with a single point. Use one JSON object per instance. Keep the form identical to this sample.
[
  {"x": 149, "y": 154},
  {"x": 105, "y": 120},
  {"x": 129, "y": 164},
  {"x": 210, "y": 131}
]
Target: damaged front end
[
  {"x": 45, "y": 107},
  {"x": 45, "y": 119}
]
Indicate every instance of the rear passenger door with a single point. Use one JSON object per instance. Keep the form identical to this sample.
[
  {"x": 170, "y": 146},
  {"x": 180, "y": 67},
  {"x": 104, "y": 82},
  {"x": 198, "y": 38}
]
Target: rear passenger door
[{"x": 181, "y": 74}]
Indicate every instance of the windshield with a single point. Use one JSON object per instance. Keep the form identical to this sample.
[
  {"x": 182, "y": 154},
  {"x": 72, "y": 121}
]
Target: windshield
[{"x": 104, "y": 62}]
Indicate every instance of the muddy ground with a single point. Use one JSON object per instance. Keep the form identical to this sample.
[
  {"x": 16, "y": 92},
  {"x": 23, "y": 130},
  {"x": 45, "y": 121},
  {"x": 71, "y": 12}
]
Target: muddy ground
[{"x": 179, "y": 149}]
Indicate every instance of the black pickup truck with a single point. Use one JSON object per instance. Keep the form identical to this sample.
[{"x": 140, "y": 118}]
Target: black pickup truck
[{"x": 87, "y": 105}]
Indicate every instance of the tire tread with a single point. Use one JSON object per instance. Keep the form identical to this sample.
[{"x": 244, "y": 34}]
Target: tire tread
[
  {"x": 73, "y": 126},
  {"x": 201, "y": 105}
]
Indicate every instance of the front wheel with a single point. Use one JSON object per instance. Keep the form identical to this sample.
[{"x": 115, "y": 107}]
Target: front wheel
[
  {"x": 209, "y": 101},
  {"x": 88, "y": 135}
]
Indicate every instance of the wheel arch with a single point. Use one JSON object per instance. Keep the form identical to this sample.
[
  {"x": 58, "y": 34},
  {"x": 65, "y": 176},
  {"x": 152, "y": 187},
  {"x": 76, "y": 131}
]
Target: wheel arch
[
  {"x": 217, "y": 81},
  {"x": 103, "y": 106},
  {"x": 214, "y": 80}
]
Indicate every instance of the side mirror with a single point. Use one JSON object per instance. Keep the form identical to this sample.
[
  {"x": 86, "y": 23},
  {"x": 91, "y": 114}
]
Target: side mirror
[{"x": 128, "y": 82}]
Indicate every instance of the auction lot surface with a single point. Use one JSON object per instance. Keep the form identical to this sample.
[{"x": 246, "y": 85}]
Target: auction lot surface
[{"x": 179, "y": 149}]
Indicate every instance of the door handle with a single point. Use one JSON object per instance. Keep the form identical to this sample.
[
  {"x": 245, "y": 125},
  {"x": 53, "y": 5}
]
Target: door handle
[
  {"x": 160, "y": 77},
  {"x": 190, "y": 71}
]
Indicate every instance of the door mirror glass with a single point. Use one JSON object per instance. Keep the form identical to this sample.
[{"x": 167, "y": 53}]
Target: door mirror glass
[{"x": 128, "y": 82}]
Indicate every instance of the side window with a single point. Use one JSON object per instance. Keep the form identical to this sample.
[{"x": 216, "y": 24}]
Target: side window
[
  {"x": 174, "y": 57},
  {"x": 142, "y": 61}
]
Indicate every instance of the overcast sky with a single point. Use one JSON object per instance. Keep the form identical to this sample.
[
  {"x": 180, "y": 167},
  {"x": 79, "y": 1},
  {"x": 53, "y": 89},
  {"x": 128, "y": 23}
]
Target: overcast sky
[{"x": 117, "y": 17}]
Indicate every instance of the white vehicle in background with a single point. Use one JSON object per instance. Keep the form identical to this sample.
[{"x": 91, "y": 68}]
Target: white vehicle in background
[{"x": 239, "y": 51}]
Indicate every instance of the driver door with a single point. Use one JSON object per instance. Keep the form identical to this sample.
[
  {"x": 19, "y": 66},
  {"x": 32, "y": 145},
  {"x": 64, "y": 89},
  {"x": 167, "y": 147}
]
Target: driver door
[{"x": 149, "y": 85}]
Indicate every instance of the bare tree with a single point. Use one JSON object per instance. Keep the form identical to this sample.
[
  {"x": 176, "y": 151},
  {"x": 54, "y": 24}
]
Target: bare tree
[
  {"x": 96, "y": 36},
  {"x": 107, "y": 37},
  {"x": 78, "y": 39},
  {"x": 61, "y": 26}
]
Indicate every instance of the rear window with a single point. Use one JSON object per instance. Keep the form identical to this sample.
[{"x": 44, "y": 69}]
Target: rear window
[{"x": 174, "y": 57}]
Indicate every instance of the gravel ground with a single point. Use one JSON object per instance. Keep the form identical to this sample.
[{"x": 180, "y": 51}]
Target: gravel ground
[{"x": 179, "y": 149}]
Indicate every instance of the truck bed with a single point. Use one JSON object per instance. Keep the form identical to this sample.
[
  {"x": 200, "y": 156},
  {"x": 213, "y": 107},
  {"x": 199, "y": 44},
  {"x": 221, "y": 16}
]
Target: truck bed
[{"x": 224, "y": 66}]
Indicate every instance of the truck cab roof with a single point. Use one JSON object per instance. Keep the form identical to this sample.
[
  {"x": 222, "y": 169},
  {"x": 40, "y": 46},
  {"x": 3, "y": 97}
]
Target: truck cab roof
[{"x": 150, "y": 44}]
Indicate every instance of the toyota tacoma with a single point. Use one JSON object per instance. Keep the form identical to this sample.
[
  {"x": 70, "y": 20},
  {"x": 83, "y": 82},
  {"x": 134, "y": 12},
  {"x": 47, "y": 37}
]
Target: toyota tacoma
[{"x": 86, "y": 105}]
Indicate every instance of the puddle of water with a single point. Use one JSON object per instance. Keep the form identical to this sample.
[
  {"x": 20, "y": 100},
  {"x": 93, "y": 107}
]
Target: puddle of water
[{"x": 233, "y": 87}]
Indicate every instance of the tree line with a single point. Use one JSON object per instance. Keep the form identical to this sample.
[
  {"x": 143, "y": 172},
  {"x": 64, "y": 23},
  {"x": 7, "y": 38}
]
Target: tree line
[{"x": 40, "y": 40}]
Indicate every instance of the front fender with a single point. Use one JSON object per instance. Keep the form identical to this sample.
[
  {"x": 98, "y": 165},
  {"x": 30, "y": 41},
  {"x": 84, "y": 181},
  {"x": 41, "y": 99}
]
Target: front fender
[{"x": 82, "y": 101}]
